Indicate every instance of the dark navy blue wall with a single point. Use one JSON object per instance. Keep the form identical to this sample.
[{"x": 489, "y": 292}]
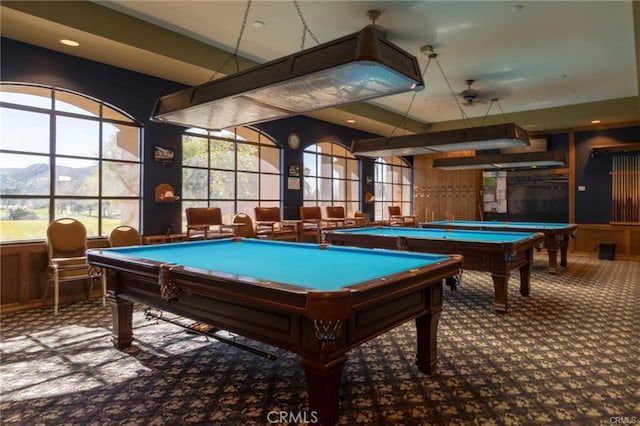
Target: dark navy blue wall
[
  {"x": 135, "y": 93},
  {"x": 593, "y": 172}
]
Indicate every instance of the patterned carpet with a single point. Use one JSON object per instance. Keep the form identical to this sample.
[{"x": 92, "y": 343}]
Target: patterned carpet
[{"x": 567, "y": 355}]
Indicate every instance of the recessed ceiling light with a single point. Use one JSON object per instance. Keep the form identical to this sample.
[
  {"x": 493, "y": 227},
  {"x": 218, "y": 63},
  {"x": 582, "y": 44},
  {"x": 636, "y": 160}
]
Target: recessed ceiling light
[
  {"x": 258, "y": 24},
  {"x": 68, "y": 42},
  {"x": 351, "y": 121},
  {"x": 595, "y": 121}
]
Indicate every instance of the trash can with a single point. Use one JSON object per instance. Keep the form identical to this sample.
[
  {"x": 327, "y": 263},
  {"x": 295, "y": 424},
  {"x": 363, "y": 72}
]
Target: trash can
[{"x": 607, "y": 250}]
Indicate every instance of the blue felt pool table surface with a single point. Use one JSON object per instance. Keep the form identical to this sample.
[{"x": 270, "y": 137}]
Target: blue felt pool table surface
[
  {"x": 304, "y": 265},
  {"x": 439, "y": 234},
  {"x": 506, "y": 225}
]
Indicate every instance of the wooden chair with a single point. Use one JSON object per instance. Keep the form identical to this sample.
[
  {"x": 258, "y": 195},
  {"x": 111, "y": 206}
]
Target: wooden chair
[
  {"x": 67, "y": 252},
  {"x": 313, "y": 224},
  {"x": 205, "y": 223},
  {"x": 269, "y": 225},
  {"x": 360, "y": 219},
  {"x": 336, "y": 214},
  {"x": 124, "y": 235},
  {"x": 396, "y": 218},
  {"x": 245, "y": 225}
]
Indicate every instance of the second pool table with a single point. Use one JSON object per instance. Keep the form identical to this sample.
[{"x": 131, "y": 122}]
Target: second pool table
[
  {"x": 556, "y": 235},
  {"x": 318, "y": 301},
  {"x": 496, "y": 252}
]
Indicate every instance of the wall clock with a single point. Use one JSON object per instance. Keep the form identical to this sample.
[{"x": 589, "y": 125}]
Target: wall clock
[{"x": 293, "y": 140}]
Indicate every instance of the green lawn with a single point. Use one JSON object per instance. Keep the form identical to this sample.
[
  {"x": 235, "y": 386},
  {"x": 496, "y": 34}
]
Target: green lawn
[{"x": 15, "y": 230}]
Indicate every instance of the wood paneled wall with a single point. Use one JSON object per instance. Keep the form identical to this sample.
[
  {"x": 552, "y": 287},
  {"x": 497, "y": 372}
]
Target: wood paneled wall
[{"x": 445, "y": 194}]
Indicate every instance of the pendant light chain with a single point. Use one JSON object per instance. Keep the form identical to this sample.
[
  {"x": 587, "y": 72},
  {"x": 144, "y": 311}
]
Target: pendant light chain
[
  {"x": 305, "y": 27},
  {"x": 237, "y": 48}
]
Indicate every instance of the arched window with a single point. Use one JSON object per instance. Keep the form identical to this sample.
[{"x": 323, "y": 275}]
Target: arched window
[
  {"x": 331, "y": 177},
  {"x": 236, "y": 170},
  {"x": 65, "y": 155},
  {"x": 392, "y": 186}
]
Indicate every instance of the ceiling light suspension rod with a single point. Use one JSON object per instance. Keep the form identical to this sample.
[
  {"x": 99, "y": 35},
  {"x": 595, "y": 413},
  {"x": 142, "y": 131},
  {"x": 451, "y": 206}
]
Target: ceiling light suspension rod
[{"x": 413, "y": 96}]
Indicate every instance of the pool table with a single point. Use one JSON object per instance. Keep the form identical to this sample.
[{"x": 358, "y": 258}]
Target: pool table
[
  {"x": 496, "y": 252},
  {"x": 318, "y": 301},
  {"x": 556, "y": 235}
]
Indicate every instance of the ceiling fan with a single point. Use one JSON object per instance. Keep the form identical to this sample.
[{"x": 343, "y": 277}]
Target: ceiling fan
[{"x": 471, "y": 96}]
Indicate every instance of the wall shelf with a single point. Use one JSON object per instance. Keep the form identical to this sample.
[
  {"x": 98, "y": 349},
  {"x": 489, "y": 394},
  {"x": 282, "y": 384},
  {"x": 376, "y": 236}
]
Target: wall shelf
[
  {"x": 611, "y": 148},
  {"x": 165, "y": 193}
]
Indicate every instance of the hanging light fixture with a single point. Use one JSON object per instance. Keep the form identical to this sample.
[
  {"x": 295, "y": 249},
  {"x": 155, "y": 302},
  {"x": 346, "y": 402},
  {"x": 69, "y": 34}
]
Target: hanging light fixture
[
  {"x": 520, "y": 160},
  {"x": 356, "y": 67},
  {"x": 478, "y": 138},
  {"x": 472, "y": 138}
]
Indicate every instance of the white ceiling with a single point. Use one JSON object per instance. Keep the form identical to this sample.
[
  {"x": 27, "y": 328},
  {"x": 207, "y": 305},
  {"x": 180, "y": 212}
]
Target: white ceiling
[{"x": 535, "y": 57}]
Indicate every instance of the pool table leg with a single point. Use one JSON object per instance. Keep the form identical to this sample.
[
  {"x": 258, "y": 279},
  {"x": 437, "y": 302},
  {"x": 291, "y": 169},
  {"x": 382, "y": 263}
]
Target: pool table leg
[
  {"x": 564, "y": 245},
  {"x": 500, "y": 282},
  {"x": 427, "y": 331},
  {"x": 552, "y": 249},
  {"x": 122, "y": 321},
  {"x": 323, "y": 388}
]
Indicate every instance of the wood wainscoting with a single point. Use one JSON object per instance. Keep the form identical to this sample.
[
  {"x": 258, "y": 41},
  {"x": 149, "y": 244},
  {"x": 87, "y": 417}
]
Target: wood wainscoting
[
  {"x": 625, "y": 236},
  {"x": 23, "y": 268}
]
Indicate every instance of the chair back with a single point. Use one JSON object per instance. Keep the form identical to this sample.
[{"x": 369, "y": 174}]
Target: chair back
[
  {"x": 267, "y": 214},
  {"x": 246, "y": 225},
  {"x": 124, "y": 235},
  {"x": 335, "y": 212},
  {"x": 310, "y": 213},
  {"x": 395, "y": 211},
  {"x": 204, "y": 216},
  {"x": 66, "y": 237}
]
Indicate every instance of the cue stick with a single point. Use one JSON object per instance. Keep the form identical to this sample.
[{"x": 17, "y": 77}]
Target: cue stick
[{"x": 215, "y": 336}]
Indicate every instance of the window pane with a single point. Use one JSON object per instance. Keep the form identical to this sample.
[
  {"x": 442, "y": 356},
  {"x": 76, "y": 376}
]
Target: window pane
[
  {"x": 247, "y": 207},
  {"x": 324, "y": 147},
  {"x": 24, "y": 130},
  {"x": 352, "y": 169},
  {"x": 406, "y": 196},
  {"x": 248, "y": 186},
  {"x": 222, "y": 155},
  {"x": 77, "y": 137},
  {"x": 194, "y": 183},
  {"x": 227, "y": 209},
  {"x": 309, "y": 161},
  {"x": 406, "y": 176},
  {"x": 248, "y": 157},
  {"x": 270, "y": 161},
  {"x": 339, "y": 167},
  {"x": 351, "y": 209},
  {"x": 24, "y": 219},
  {"x": 120, "y": 142},
  {"x": 221, "y": 185},
  {"x": 70, "y": 102},
  {"x": 24, "y": 174},
  {"x": 339, "y": 190},
  {"x": 324, "y": 189},
  {"x": 326, "y": 166},
  {"x": 120, "y": 179},
  {"x": 33, "y": 96},
  {"x": 353, "y": 191},
  {"x": 86, "y": 211},
  {"x": 113, "y": 114},
  {"x": 195, "y": 151},
  {"x": 269, "y": 187},
  {"x": 76, "y": 177},
  {"x": 120, "y": 212},
  {"x": 310, "y": 185},
  {"x": 339, "y": 150}
]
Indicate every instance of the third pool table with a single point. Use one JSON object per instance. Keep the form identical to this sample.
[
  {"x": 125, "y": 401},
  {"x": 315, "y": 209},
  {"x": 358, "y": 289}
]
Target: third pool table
[
  {"x": 496, "y": 252},
  {"x": 556, "y": 235}
]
